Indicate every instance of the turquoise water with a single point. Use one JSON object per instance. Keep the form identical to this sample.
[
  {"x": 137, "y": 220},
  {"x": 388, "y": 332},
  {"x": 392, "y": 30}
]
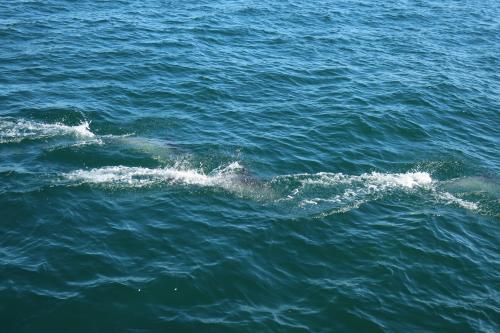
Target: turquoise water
[{"x": 243, "y": 166}]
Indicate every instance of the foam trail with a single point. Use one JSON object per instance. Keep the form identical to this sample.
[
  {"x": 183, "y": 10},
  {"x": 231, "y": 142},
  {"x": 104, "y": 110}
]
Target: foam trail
[
  {"x": 339, "y": 187},
  {"x": 345, "y": 192},
  {"x": 375, "y": 179},
  {"x": 338, "y": 192},
  {"x": 139, "y": 177},
  {"x": 227, "y": 178},
  {"x": 450, "y": 199},
  {"x": 325, "y": 193},
  {"x": 17, "y": 130}
]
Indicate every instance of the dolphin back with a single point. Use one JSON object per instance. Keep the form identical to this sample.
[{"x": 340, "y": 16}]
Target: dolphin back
[{"x": 476, "y": 184}]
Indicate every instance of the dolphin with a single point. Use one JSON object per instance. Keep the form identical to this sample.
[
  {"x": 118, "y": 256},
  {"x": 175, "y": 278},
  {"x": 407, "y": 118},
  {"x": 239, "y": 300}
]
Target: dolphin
[
  {"x": 158, "y": 149},
  {"x": 234, "y": 177},
  {"x": 474, "y": 184}
]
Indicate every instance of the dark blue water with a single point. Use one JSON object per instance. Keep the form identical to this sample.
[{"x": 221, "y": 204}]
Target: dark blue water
[{"x": 242, "y": 166}]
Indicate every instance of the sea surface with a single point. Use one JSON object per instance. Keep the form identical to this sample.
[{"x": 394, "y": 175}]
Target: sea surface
[{"x": 250, "y": 166}]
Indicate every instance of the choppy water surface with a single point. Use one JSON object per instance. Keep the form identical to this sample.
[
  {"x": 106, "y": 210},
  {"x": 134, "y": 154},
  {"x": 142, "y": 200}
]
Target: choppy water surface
[{"x": 241, "y": 166}]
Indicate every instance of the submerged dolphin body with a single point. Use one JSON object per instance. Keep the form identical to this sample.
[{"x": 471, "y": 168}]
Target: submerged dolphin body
[
  {"x": 475, "y": 184},
  {"x": 239, "y": 179},
  {"x": 234, "y": 177},
  {"x": 157, "y": 149}
]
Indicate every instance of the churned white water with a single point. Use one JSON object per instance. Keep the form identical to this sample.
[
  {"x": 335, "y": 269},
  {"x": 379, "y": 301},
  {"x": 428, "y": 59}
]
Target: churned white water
[
  {"x": 337, "y": 189},
  {"x": 16, "y": 130}
]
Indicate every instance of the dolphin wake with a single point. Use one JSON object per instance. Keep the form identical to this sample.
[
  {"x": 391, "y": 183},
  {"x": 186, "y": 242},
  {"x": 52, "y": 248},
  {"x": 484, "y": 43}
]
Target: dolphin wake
[
  {"x": 324, "y": 192},
  {"x": 336, "y": 191}
]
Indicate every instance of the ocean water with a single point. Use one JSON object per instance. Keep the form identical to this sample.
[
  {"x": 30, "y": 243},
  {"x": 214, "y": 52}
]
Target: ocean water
[{"x": 249, "y": 166}]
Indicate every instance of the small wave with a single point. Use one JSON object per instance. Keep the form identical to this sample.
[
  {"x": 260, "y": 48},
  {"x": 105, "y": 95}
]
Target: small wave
[{"x": 17, "y": 130}]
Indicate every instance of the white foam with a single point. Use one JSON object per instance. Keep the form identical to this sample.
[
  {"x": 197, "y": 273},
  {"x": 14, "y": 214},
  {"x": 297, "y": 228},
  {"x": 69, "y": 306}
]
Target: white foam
[
  {"x": 339, "y": 188},
  {"x": 405, "y": 180},
  {"x": 327, "y": 192},
  {"x": 340, "y": 191},
  {"x": 226, "y": 178},
  {"x": 449, "y": 198},
  {"x": 139, "y": 177},
  {"x": 371, "y": 180},
  {"x": 82, "y": 130},
  {"x": 16, "y": 130}
]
